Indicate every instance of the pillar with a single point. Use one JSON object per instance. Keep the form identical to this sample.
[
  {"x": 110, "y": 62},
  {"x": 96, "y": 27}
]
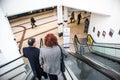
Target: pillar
[
  {"x": 66, "y": 33},
  {"x": 65, "y": 17},
  {"x": 60, "y": 20}
]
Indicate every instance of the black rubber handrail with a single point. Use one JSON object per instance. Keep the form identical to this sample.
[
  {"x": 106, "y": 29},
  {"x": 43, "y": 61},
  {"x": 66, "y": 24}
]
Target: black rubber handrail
[
  {"x": 106, "y": 47},
  {"x": 69, "y": 73},
  {"x": 110, "y": 58},
  {"x": 102, "y": 43},
  {"x": 112, "y": 74},
  {"x": 41, "y": 42},
  {"x": 77, "y": 41}
]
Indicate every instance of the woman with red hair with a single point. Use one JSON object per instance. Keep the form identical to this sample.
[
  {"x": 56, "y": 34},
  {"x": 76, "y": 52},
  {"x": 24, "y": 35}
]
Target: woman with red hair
[{"x": 50, "y": 57}]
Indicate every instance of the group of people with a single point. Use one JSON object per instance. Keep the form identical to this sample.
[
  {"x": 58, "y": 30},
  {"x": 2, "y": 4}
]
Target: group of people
[
  {"x": 45, "y": 61},
  {"x": 72, "y": 18},
  {"x": 86, "y": 22}
]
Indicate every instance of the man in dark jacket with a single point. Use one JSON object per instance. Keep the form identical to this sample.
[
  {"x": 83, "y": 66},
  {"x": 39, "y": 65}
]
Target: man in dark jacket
[
  {"x": 79, "y": 18},
  {"x": 33, "y": 22},
  {"x": 72, "y": 20},
  {"x": 86, "y": 23},
  {"x": 32, "y": 53}
]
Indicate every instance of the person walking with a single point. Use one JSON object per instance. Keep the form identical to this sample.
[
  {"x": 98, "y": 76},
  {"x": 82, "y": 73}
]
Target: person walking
[
  {"x": 79, "y": 18},
  {"x": 50, "y": 57},
  {"x": 86, "y": 23},
  {"x": 72, "y": 18},
  {"x": 32, "y": 53},
  {"x": 33, "y": 22}
]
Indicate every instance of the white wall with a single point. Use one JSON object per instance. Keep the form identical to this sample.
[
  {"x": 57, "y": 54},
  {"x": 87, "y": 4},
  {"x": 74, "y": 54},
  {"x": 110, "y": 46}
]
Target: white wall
[
  {"x": 8, "y": 46},
  {"x": 95, "y": 6},
  {"x": 106, "y": 23},
  {"x": 13, "y": 7},
  {"x": 9, "y": 50}
]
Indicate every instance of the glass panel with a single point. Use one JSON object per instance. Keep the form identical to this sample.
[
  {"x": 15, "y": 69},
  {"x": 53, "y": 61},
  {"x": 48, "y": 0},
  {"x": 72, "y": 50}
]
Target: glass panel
[
  {"x": 101, "y": 60},
  {"x": 108, "y": 51},
  {"x": 83, "y": 71}
]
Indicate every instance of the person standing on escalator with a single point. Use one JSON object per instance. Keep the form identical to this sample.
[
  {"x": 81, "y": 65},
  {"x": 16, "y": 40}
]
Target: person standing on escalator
[
  {"x": 72, "y": 18},
  {"x": 50, "y": 57},
  {"x": 86, "y": 23},
  {"x": 32, "y": 53},
  {"x": 79, "y": 18}
]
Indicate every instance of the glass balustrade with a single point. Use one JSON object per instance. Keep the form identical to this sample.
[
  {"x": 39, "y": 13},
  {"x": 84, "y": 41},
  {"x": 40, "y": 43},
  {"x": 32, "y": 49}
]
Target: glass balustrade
[
  {"x": 81, "y": 71},
  {"x": 97, "y": 54}
]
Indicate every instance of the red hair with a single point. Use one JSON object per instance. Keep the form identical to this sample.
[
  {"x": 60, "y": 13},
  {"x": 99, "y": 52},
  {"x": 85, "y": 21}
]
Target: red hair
[{"x": 50, "y": 40}]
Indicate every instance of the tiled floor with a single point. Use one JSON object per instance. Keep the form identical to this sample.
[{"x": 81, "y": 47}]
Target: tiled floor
[{"x": 46, "y": 23}]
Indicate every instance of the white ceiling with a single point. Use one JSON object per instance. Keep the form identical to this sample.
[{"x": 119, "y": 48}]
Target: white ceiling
[{"x": 13, "y": 7}]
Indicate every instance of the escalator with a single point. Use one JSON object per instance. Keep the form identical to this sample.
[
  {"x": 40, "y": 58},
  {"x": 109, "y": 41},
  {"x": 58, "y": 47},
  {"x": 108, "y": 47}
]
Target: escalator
[
  {"x": 105, "y": 60},
  {"x": 99, "y": 54},
  {"x": 79, "y": 65},
  {"x": 80, "y": 70}
]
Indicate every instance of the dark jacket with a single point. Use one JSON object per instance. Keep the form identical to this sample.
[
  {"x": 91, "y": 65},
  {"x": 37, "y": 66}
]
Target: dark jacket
[
  {"x": 33, "y": 20},
  {"x": 32, "y": 53},
  {"x": 79, "y": 16},
  {"x": 86, "y": 23}
]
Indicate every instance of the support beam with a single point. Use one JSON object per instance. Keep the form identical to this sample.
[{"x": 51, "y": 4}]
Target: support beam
[{"x": 60, "y": 20}]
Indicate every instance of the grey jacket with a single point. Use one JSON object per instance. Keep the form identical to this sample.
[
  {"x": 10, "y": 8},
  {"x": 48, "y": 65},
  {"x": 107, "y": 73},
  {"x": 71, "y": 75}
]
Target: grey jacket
[{"x": 51, "y": 59}]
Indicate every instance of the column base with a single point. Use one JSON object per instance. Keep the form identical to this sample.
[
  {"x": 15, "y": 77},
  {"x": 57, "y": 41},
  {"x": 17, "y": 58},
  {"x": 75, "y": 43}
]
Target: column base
[{"x": 60, "y": 34}]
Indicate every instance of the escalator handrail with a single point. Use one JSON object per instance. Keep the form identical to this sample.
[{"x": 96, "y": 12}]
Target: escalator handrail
[
  {"x": 112, "y": 74},
  {"x": 102, "y": 43},
  {"x": 77, "y": 40},
  {"x": 106, "y": 47},
  {"x": 41, "y": 42},
  {"x": 110, "y": 58}
]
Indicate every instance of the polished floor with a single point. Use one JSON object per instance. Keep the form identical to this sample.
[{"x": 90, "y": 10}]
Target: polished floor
[{"x": 46, "y": 23}]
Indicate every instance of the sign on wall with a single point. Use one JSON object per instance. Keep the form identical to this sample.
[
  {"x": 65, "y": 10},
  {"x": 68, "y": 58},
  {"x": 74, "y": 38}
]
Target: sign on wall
[
  {"x": 103, "y": 33},
  {"x": 111, "y": 32},
  {"x": 98, "y": 33},
  {"x": 66, "y": 37},
  {"x": 93, "y": 29}
]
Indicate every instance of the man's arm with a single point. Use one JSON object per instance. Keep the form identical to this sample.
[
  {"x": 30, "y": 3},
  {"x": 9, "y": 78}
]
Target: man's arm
[{"x": 24, "y": 52}]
